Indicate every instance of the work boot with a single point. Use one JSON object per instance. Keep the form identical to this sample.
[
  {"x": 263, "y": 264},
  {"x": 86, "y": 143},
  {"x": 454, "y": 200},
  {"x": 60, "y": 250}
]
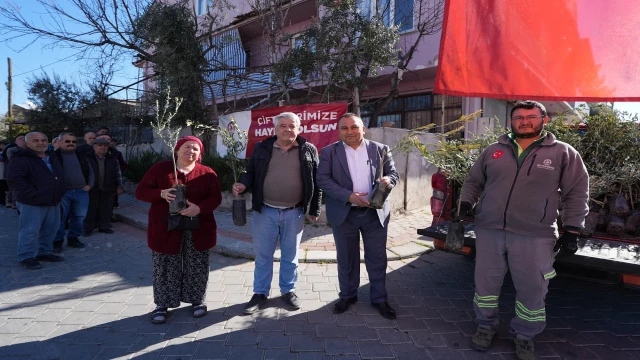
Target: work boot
[
  {"x": 483, "y": 338},
  {"x": 525, "y": 349},
  {"x": 74, "y": 242}
]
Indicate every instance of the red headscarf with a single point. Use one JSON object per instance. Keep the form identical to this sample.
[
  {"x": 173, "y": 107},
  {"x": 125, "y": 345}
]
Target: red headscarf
[{"x": 183, "y": 140}]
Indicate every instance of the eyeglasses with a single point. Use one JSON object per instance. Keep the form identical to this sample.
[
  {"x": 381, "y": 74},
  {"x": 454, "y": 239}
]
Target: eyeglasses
[
  {"x": 71, "y": 141},
  {"x": 530, "y": 117}
]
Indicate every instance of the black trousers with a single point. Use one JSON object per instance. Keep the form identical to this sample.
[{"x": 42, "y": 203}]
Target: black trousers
[
  {"x": 99, "y": 212},
  {"x": 3, "y": 188}
]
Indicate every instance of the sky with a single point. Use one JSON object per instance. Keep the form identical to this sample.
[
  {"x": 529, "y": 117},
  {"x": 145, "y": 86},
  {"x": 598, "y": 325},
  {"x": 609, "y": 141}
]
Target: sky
[{"x": 38, "y": 58}]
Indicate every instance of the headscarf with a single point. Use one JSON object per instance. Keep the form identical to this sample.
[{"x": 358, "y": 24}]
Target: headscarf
[{"x": 183, "y": 140}]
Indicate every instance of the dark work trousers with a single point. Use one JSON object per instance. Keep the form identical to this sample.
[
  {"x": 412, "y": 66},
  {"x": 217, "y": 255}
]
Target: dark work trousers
[
  {"x": 3, "y": 189},
  {"x": 530, "y": 261},
  {"x": 99, "y": 212},
  {"x": 363, "y": 222}
]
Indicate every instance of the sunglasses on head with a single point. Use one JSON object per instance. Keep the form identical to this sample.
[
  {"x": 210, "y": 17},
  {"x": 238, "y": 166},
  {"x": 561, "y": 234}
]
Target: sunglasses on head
[{"x": 71, "y": 141}]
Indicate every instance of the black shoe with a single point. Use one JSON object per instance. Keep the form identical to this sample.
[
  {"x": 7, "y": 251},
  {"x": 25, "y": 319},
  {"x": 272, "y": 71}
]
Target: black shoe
[
  {"x": 49, "y": 258},
  {"x": 254, "y": 304},
  {"x": 385, "y": 310},
  {"x": 343, "y": 305},
  {"x": 106, "y": 231},
  {"x": 31, "y": 264},
  {"x": 57, "y": 249},
  {"x": 292, "y": 300},
  {"x": 86, "y": 233},
  {"x": 74, "y": 243}
]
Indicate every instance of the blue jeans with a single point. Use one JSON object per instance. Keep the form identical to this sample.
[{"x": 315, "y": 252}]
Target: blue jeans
[
  {"x": 269, "y": 226},
  {"x": 38, "y": 225},
  {"x": 74, "y": 205}
]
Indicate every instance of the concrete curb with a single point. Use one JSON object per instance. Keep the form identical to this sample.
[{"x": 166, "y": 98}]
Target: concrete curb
[{"x": 231, "y": 247}]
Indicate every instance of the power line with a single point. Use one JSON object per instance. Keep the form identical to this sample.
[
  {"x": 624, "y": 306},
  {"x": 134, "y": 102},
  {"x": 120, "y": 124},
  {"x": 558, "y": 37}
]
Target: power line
[{"x": 44, "y": 66}]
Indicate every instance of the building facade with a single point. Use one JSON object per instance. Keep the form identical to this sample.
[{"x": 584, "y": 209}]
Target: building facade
[{"x": 244, "y": 80}]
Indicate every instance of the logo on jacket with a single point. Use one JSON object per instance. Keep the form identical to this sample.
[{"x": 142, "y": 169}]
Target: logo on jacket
[
  {"x": 546, "y": 164},
  {"x": 498, "y": 154}
]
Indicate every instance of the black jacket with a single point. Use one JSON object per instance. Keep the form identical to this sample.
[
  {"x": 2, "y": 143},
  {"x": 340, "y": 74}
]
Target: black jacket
[
  {"x": 110, "y": 172},
  {"x": 82, "y": 158},
  {"x": 258, "y": 165},
  {"x": 32, "y": 180}
]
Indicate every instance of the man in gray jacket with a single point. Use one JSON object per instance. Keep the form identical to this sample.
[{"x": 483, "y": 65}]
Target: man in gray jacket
[{"x": 517, "y": 185}]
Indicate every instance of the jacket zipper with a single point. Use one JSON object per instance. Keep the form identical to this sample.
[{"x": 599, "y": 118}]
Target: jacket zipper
[
  {"x": 530, "y": 166},
  {"x": 544, "y": 215},
  {"x": 504, "y": 222}
]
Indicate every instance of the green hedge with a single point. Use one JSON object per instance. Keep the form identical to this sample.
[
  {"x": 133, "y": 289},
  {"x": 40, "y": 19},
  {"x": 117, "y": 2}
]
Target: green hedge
[
  {"x": 222, "y": 167},
  {"x": 138, "y": 164}
]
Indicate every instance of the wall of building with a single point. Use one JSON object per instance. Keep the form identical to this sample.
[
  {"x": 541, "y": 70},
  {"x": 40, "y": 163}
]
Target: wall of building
[{"x": 413, "y": 190}]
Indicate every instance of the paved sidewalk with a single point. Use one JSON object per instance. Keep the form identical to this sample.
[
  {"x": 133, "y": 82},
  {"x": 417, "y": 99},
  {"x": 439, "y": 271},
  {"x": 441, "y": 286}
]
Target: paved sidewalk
[
  {"x": 95, "y": 306},
  {"x": 317, "y": 240}
]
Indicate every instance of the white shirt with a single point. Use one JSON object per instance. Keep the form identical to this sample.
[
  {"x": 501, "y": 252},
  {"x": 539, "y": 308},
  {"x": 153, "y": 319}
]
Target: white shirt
[{"x": 359, "y": 168}]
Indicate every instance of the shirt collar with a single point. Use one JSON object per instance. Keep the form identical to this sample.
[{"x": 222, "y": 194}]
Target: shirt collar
[{"x": 359, "y": 146}]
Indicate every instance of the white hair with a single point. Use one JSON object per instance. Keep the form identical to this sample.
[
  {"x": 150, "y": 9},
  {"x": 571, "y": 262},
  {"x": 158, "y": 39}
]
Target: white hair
[
  {"x": 26, "y": 137},
  {"x": 287, "y": 115}
]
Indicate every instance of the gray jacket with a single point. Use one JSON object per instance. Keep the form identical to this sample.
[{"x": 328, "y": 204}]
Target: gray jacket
[
  {"x": 525, "y": 200},
  {"x": 334, "y": 178}
]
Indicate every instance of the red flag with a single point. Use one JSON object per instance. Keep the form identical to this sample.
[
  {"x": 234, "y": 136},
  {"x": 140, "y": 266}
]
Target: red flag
[{"x": 583, "y": 50}]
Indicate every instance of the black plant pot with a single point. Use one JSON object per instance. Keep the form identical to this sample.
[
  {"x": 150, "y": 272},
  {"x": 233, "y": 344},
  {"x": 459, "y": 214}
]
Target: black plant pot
[
  {"x": 239, "y": 212},
  {"x": 379, "y": 196},
  {"x": 180, "y": 202}
]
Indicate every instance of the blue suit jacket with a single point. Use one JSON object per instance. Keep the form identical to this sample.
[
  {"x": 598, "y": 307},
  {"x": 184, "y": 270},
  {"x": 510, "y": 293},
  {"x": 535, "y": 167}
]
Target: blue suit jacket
[{"x": 334, "y": 179}]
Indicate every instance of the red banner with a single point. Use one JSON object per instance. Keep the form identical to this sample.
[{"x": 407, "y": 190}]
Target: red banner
[
  {"x": 318, "y": 123},
  {"x": 541, "y": 49}
]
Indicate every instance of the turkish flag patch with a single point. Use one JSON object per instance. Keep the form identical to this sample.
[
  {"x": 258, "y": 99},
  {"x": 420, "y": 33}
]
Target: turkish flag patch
[{"x": 498, "y": 154}]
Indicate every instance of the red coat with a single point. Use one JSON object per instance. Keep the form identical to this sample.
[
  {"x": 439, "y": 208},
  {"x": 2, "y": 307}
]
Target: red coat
[{"x": 203, "y": 189}]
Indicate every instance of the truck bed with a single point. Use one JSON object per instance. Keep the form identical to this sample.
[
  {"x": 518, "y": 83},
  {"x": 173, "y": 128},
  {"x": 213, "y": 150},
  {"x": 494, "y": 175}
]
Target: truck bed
[{"x": 621, "y": 256}]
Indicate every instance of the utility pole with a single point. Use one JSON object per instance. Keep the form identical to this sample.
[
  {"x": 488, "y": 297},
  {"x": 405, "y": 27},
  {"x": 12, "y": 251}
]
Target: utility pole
[{"x": 9, "y": 89}]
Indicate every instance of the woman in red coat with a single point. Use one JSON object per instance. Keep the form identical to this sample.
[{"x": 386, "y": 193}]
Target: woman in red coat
[{"x": 181, "y": 257}]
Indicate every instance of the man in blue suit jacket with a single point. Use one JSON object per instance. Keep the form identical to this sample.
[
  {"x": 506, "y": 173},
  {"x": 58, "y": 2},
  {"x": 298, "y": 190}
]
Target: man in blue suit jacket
[{"x": 347, "y": 173}]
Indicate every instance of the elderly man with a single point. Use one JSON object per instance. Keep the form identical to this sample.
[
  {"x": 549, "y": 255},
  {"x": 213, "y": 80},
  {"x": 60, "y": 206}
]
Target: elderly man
[
  {"x": 75, "y": 202},
  {"x": 348, "y": 171},
  {"x": 281, "y": 175},
  {"x": 38, "y": 181},
  {"x": 108, "y": 181},
  {"x": 118, "y": 155},
  {"x": 87, "y": 147}
]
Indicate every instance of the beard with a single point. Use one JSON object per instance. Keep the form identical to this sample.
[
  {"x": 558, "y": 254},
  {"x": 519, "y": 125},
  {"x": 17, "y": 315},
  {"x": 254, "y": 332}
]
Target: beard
[{"x": 530, "y": 132}]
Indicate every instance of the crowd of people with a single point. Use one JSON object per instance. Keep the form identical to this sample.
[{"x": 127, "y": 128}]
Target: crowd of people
[
  {"x": 514, "y": 190},
  {"x": 60, "y": 190}
]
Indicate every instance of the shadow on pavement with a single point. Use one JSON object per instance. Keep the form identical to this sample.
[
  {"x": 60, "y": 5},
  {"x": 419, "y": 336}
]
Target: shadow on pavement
[{"x": 96, "y": 306}]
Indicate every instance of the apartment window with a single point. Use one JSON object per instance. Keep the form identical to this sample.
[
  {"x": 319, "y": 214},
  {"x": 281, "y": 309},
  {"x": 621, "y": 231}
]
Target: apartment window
[
  {"x": 415, "y": 111},
  {"x": 403, "y": 15},
  {"x": 202, "y": 6},
  {"x": 247, "y": 60},
  {"x": 298, "y": 41},
  {"x": 396, "y": 12}
]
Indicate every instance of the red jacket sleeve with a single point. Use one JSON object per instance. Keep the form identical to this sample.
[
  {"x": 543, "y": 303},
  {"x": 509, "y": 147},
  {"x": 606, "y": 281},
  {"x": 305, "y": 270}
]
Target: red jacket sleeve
[{"x": 148, "y": 189}]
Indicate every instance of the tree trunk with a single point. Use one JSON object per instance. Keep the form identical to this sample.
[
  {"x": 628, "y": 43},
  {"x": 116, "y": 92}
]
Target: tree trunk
[{"x": 356, "y": 101}]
